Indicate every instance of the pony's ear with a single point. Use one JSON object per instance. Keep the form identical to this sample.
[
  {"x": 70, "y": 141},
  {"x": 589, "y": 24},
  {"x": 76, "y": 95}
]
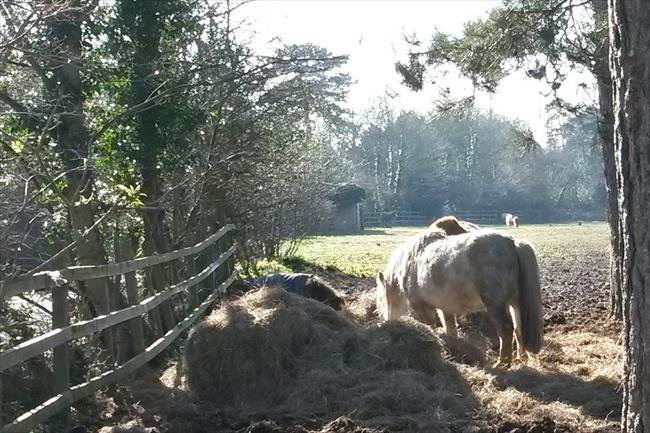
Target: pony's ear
[{"x": 380, "y": 279}]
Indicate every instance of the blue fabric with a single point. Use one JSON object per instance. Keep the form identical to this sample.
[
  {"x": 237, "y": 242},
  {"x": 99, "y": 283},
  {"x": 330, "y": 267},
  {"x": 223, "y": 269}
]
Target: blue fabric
[{"x": 292, "y": 283}]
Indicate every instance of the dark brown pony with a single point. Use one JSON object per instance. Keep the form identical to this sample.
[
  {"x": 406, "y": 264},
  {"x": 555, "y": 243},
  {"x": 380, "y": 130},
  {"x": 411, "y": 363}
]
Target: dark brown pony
[
  {"x": 307, "y": 285},
  {"x": 318, "y": 289}
]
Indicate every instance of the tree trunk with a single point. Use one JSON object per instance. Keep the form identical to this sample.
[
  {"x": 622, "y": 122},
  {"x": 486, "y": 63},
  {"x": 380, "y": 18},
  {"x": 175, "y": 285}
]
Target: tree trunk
[
  {"x": 606, "y": 141},
  {"x": 72, "y": 143},
  {"x": 630, "y": 68},
  {"x": 145, "y": 26}
]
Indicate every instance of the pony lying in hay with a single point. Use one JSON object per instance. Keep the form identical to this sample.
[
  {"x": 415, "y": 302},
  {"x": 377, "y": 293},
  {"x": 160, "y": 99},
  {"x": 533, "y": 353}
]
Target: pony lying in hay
[
  {"x": 467, "y": 273},
  {"x": 451, "y": 226},
  {"x": 307, "y": 285}
]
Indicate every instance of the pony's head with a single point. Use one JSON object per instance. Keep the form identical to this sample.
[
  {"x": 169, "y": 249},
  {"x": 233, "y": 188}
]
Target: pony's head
[
  {"x": 319, "y": 290},
  {"x": 380, "y": 293},
  {"x": 391, "y": 302}
]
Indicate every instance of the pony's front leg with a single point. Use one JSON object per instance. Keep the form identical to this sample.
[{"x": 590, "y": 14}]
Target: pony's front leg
[{"x": 448, "y": 323}]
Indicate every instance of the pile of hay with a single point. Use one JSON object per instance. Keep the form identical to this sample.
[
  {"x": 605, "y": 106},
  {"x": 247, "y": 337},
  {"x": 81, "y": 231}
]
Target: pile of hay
[{"x": 277, "y": 354}]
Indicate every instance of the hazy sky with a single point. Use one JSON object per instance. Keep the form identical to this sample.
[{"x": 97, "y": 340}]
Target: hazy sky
[{"x": 371, "y": 33}]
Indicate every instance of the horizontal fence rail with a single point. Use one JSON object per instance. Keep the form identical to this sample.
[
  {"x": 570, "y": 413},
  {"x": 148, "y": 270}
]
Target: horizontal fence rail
[
  {"x": 400, "y": 217},
  {"x": 63, "y": 332},
  {"x": 61, "y": 401},
  {"x": 48, "y": 279},
  {"x": 497, "y": 217},
  {"x": 479, "y": 216},
  {"x": 56, "y": 337}
]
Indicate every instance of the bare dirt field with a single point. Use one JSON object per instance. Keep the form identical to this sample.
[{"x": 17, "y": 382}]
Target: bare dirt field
[{"x": 572, "y": 385}]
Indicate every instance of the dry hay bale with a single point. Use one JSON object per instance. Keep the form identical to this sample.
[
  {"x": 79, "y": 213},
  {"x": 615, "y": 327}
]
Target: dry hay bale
[
  {"x": 462, "y": 350},
  {"x": 129, "y": 427},
  {"x": 406, "y": 343},
  {"x": 277, "y": 353},
  {"x": 249, "y": 350},
  {"x": 362, "y": 307},
  {"x": 344, "y": 424}
]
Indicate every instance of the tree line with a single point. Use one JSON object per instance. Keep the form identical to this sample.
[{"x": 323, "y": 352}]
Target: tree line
[{"x": 465, "y": 159}]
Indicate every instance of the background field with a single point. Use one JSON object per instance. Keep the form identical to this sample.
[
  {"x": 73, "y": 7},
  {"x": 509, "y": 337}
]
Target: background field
[
  {"x": 366, "y": 253},
  {"x": 571, "y": 385}
]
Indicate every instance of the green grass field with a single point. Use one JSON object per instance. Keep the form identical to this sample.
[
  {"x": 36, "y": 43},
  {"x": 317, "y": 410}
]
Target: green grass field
[{"x": 365, "y": 254}]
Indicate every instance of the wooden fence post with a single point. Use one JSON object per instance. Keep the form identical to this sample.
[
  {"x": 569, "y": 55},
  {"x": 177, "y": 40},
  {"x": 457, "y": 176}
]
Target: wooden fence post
[
  {"x": 194, "y": 291},
  {"x": 135, "y": 325},
  {"x": 64, "y": 332},
  {"x": 61, "y": 354},
  {"x": 1, "y": 401}
]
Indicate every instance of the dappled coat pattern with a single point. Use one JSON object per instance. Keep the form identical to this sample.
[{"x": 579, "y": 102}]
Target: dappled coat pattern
[{"x": 477, "y": 271}]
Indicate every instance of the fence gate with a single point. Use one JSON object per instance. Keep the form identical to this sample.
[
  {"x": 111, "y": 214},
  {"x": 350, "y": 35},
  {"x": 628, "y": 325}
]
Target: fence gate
[{"x": 216, "y": 254}]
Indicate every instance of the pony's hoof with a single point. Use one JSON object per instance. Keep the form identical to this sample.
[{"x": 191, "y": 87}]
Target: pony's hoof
[{"x": 502, "y": 364}]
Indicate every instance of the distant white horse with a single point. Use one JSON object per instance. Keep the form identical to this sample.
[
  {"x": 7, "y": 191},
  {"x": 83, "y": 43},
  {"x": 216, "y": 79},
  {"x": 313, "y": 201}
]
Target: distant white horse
[
  {"x": 476, "y": 271},
  {"x": 511, "y": 220}
]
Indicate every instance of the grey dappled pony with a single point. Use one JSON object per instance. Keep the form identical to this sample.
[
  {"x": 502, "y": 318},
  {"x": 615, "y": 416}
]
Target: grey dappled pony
[{"x": 480, "y": 270}]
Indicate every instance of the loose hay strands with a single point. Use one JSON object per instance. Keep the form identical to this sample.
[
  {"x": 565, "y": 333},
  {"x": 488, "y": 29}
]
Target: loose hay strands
[{"x": 275, "y": 353}]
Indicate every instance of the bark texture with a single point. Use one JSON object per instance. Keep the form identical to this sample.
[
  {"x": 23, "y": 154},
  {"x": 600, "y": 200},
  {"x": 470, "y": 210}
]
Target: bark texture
[
  {"x": 606, "y": 142},
  {"x": 72, "y": 142},
  {"x": 630, "y": 67}
]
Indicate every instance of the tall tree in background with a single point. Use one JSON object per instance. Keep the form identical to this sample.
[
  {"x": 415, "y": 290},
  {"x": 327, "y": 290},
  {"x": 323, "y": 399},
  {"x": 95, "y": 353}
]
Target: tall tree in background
[
  {"x": 541, "y": 38},
  {"x": 158, "y": 121},
  {"x": 630, "y": 65}
]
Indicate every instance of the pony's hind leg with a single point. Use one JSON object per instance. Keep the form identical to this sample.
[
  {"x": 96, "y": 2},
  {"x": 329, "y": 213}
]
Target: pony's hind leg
[
  {"x": 448, "y": 323},
  {"x": 516, "y": 320},
  {"x": 503, "y": 323}
]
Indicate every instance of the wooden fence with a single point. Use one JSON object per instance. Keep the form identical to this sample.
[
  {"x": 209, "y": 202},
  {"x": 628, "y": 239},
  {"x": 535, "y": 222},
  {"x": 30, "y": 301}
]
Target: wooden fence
[
  {"x": 220, "y": 262},
  {"x": 481, "y": 216},
  {"x": 489, "y": 216},
  {"x": 399, "y": 218}
]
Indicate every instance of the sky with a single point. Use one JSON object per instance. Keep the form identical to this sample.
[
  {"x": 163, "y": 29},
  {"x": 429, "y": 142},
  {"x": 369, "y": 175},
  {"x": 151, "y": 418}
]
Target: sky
[{"x": 371, "y": 33}]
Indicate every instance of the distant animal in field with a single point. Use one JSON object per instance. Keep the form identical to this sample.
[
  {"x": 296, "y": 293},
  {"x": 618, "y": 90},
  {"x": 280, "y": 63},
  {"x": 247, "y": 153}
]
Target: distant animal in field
[
  {"x": 308, "y": 285},
  {"x": 388, "y": 218},
  {"x": 451, "y": 226},
  {"x": 477, "y": 271},
  {"x": 511, "y": 220}
]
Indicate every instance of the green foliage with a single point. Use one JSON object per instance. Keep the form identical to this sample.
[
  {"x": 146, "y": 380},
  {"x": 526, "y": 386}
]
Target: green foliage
[
  {"x": 261, "y": 267},
  {"x": 348, "y": 194},
  {"x": 544, "y": 39},
  {"x": 465, "y": 159}
]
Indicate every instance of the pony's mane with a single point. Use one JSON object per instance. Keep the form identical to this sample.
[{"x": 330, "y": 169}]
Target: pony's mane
[
  {"x": 400, "y": 261},
  {"x": 421, "y": 240}
]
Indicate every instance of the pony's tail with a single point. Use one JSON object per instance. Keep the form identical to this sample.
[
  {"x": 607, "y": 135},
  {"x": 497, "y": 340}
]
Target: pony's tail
[{"x": 530, "y": 297}]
